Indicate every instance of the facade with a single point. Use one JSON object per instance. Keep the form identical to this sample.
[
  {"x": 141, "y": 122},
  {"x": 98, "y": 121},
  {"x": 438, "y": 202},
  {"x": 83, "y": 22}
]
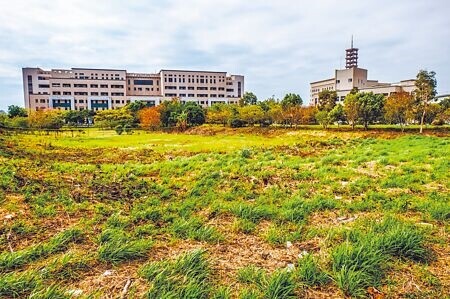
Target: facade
[
  {"x": 100, "y": 89},
  {"x": 352, "y": 76}
]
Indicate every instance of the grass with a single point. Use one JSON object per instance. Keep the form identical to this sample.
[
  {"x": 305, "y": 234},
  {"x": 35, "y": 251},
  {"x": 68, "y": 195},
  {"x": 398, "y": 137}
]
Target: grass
[{"x": 221, "y": 213}]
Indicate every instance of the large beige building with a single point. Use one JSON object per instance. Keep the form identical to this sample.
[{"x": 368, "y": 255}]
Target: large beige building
[
  {"x": 99, "y": 89},
  {"x": 352, "y": 76}
]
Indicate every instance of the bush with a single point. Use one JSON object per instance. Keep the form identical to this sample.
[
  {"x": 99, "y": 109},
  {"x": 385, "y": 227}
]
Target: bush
[{"x": 119, "y": 129}]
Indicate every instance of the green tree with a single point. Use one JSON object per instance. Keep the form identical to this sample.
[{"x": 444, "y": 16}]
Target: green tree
[
  {"x": 249, "y": 98},
  {"x": 337, "y": 114},
  {"x": 351, "y": 109},
  {"x": 327, "y": 100},
  {"x": 219, "y": 114},
  {"x": 290, "y": 100},
  {"x": 370, "y": 108},
  {"x": 14, "y": 111},
  {"x": 323, "y": 118},
  {"x": 113, "y": 118},
  {"x": 195, "y": 114},
  {"x": 425, "y": 91},
  {"x": 46, "y": 119},
  {"x": 398, "y": 108},
  {"x": 169, "y": 112},
  {"x": 251, "y": 114}
]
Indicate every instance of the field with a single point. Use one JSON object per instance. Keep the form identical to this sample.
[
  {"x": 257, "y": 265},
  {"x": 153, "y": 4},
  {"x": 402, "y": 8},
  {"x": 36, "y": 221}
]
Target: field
[{"x": 223, "y": 213}]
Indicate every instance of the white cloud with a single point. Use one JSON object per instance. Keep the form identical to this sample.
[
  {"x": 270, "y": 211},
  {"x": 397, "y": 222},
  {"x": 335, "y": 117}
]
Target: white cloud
[{"x": 280, "y": 46}]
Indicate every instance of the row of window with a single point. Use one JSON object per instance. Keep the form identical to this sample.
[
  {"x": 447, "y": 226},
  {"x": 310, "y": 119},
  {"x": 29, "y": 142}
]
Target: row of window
[
  {"x": 189, "y": 80},
  {"x": 191, "y": 95},
  {"x": 198, "y": 88},
  {"x": 141, "y": 89},
  {"x": 85, "y": 93}
]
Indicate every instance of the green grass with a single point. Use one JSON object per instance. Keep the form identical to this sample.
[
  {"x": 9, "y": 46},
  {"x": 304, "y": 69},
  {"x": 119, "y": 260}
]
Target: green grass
[{"x": 370, "y": 208}]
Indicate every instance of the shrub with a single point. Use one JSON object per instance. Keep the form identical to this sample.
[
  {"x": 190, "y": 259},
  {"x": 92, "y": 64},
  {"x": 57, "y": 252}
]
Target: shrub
[{"x": 119, "y": 129}]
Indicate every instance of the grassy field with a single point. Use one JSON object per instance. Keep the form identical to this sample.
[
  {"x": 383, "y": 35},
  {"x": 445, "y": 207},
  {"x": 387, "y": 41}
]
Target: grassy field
[{"x": 223, "y": 213}]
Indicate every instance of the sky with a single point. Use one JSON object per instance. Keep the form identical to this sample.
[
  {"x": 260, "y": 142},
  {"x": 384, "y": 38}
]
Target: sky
[{"x": 279, "y": 46}]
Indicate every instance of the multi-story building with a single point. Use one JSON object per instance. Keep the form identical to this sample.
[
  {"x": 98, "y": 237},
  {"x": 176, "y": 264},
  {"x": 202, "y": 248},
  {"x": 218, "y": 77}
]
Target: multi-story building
[
  {"x": 99, "y": 89},
  {"x": 352, "y": 76}
]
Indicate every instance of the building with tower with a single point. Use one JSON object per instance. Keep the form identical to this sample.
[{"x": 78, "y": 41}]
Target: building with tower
[{"x": 352, "y": 76}]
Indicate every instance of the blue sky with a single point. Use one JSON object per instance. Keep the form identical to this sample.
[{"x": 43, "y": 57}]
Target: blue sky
[{"x": 280, "y": 46}]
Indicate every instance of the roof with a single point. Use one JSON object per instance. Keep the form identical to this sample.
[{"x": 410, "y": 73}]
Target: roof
[
  {"x": 188, "y": 71},
  {"x": 322, "y": 81},
  {"x": 88, "y": 68}
]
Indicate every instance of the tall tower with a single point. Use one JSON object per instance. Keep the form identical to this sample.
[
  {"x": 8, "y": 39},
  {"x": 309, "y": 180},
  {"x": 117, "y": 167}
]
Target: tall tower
[{"x": 351, "y": 57}]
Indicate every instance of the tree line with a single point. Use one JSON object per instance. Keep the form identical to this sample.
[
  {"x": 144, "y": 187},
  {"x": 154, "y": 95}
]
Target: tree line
[{"x": 358, "y": 108}]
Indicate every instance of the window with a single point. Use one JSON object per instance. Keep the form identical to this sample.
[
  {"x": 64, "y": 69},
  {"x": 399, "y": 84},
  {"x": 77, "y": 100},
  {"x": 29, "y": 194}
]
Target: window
[
  {"x": 143, "y": 82},
  {"x": 202, "y": 88},
  {"x": 67, "y": 93},
  {"x": 56, "y": 93},
  {"x": 80, "y": 85},
  {"x": 94, "y": 93},
  {"x": 338, "y": 81},
  {"x": 44, "y": 86},
  {"x": 67, "y": 85},
  {"x": 350, "y": 80},
  {"x": 170, "y": 87},
  {"x": 103, "y": 85},
  {"x": 94, "y": 85},
  {"x": 104, "y": 94},
  {"x": 182, "y": 87},
  {"x": 39, "y": 78},
  {"x": 230, "y": 90},
  {"x": 117, "y": 94},
  {"x": 190, "y": 87},
  {"x": 81, "y": 101},
  {"x": 191, "y": 95},
  {"x": 56, "y": 84},
  {"x": 202, "y": 95},
  {"x": 116, "y": 86},
  {"x": 221, "y": 88},
  {"x": 170, "y": 94},
  {"x": 80, "y": 93},
  {"x": 183, "y": 95},
  {"x": 213, "y": 88}
]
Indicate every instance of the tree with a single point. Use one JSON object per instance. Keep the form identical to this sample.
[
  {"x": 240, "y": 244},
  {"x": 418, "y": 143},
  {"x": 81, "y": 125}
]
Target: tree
[
  {"x": 14, "y": 111},
  {"x": 370, "y": 108},
  {"x": 251, "y": 114},
  {"x": 398, "y": 108},
  {"x": 323, "y": 118},
  {"x": 327, "y": 100},
  {"x": 218, "y": 114},
  {"x": 150, "y": 118},
  {"x": 291, "y": 100},
  {"x": 134, "y": 108},
  {"x": 275, "y": 113},
  {"x": 351, "y": 109},
  {"x": 425, "y": 91},
  {"x": 248, "y": 98},
  {"x": 337, "y": 114},
  {"x": 169, "y": 111},
  {"x": 113, "y": 118},
  {"x": 46, "y": 119},
  {"x": 195, "y": 114}
]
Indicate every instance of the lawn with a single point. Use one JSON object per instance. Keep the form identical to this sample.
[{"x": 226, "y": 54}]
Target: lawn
[{"x": 225, "y": 213}]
